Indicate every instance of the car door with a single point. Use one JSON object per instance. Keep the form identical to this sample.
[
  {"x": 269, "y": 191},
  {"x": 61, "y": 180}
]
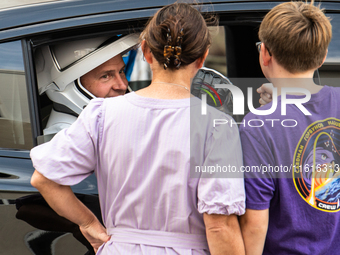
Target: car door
[{"x": 16, "y": 140}]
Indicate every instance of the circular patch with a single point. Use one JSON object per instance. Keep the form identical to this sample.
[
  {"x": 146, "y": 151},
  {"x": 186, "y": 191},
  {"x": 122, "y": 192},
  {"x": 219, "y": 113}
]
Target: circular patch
[{"x": 316, "y": 165}]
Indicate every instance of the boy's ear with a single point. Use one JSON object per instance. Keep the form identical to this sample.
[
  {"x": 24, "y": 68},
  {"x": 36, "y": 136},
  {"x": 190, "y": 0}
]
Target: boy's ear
[
  {"x": 265, "y": 56},
  {"x": 324, "y": 59},
  {"x": 146, "y": 52}
]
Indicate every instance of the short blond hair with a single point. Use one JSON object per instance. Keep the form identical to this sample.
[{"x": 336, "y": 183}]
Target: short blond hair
[{"x": 297, "y": 34}]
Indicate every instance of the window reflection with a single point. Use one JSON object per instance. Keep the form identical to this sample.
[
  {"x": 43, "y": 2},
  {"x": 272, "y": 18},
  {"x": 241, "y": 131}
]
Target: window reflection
[
  {"x": 15, "y": 127},
  {"x": 334, "y": 49}
]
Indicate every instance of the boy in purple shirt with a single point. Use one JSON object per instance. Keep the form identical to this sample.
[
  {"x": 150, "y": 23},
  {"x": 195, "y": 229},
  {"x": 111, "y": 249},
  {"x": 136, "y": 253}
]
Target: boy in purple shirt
[{"x": 292, "y": 160}]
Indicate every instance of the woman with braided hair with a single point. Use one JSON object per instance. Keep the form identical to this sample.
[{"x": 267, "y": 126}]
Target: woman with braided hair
[{"x": 145, "y": 148}]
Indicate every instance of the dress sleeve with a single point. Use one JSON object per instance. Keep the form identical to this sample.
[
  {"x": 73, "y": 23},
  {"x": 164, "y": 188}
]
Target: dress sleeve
[
  {"x": 222, "y": 192},
  {"x": 71, "y": 155},
  {"x": 259, "y": 185}
]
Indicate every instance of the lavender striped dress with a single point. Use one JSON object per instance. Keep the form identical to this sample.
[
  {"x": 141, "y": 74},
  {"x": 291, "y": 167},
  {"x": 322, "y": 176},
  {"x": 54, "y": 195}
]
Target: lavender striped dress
[{"x": 139, "y": 149}]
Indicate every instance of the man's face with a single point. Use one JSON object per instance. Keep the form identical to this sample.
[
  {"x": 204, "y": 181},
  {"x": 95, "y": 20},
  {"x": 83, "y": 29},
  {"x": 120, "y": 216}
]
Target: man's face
[{"x": 106, "y": 80}]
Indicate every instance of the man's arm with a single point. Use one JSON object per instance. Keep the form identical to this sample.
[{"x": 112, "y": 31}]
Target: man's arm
[
  {"x": 223, "y": 234},
  {"x": 254, "y": 225},
  {"x": 63, "y": 201}
]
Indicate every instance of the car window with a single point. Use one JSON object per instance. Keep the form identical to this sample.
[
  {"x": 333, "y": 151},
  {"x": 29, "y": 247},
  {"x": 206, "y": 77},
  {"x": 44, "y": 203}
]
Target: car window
[
  {"x": 333, "y": 55},
  {"x": 15, "y": 127},
  {"x": 217, "y": 52},
  {"x": 329, "y": 72}
]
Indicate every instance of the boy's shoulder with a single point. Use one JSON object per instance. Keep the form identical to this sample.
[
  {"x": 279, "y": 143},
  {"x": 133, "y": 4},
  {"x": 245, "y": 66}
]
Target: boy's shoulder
[
  {"x": 322, "y": 104},
  {"x": 336, "y": 89}
]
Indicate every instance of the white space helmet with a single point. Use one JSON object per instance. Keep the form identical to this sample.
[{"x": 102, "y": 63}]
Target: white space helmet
[{"x": 60, "y": 66}]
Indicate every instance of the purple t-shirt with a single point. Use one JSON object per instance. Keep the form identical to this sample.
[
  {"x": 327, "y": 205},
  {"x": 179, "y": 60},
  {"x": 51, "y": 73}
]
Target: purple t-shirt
[{"x": 281, "y": 153}]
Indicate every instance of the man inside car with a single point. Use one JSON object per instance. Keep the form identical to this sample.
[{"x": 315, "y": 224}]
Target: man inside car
[{"x": 106, "y": 80}]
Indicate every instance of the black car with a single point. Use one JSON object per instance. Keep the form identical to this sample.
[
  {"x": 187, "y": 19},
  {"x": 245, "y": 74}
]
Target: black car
[{"x": 28, "y": 30}]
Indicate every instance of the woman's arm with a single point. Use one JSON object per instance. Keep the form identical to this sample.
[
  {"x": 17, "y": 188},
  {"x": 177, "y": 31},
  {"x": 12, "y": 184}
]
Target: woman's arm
[
  {"x": 63, "y": 201},
  {"x": 223, "y": 234}
]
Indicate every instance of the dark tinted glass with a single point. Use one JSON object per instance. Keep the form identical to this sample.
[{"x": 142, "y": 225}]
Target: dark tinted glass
[{"x": 15, "y": 127}]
